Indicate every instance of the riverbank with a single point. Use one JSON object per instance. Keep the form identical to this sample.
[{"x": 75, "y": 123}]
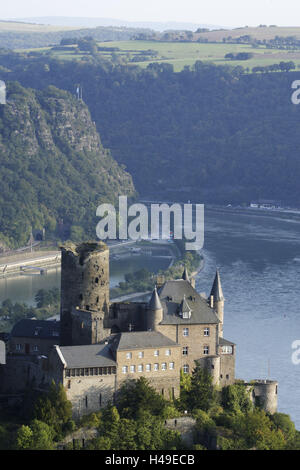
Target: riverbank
[{"x": 36, "y": 262}]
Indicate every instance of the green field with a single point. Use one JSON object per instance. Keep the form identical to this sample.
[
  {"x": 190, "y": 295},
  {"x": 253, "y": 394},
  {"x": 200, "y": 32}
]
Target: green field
[
  {"x": 20, "y": 27},
  {"x": 181, "y": 54}
]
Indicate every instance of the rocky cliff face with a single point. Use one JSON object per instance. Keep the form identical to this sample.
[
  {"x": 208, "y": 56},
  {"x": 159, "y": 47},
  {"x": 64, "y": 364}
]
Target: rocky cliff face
[{"x": 52, "y": 165}]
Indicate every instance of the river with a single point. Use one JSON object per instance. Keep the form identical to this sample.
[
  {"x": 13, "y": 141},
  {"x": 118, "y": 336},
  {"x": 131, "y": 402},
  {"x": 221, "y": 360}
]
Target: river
[
  {"x": 259, "y": 260},
  {"x": 258, "y": 256}
]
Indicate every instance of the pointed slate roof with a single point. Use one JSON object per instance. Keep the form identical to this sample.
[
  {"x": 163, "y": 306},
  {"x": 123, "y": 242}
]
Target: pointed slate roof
[
  {"x": 171, "y": 295},
  {"x": 185, "y": 275},
  {"x": 216, "y": 290},
  {"x": 154, "y": 303},
  {"x": 184, "y": 306}
]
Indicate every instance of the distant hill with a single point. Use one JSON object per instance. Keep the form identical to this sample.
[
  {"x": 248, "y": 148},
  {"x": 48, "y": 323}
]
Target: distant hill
[
  {"x": 29, "y": 27},
  {"x": 260, "y": 33},
  {"x": 94, "y": 22},
  {"x": 21, "y": 35},
  {"x": 54, "y": 170}
]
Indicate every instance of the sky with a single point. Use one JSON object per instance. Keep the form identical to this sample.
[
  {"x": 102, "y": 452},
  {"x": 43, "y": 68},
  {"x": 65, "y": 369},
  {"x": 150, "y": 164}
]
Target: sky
[{"x": 218, "y": 12}]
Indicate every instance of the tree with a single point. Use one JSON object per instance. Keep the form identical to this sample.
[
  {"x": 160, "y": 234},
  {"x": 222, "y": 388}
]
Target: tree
[
  {"x": 236, "y": 398},
  {"x": 202, "y": 394},
  {"x": 285, "y": 424},
  {"x": 37, "y": 436},
  {"x": 24, "y": 437},
  {"x": 55, "y": 409},
  {"x": 138, "y": 395}
]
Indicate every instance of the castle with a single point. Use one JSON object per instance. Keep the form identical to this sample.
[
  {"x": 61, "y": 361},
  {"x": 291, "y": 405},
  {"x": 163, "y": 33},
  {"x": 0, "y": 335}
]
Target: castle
[{"x": 98, "y": 344}]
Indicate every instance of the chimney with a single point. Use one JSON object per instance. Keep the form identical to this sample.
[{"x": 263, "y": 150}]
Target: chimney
[{"x": 211, "y": 301}]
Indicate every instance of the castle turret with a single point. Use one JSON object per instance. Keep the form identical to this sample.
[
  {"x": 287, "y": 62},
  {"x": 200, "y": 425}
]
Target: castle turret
[
  {"x": 155, "y": 311},
  {"x": 84, "y": 287},
  {"x": 185, "y": 275},
  {"x": 217, "y": 300}
]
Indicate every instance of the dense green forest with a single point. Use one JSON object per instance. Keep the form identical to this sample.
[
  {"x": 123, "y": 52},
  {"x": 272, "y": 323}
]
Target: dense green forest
[
  {"x": 54, "y": 169},
  {"x": 209, "y": 133}
]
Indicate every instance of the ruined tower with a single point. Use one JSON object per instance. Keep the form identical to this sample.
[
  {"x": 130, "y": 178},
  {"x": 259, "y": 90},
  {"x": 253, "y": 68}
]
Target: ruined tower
[{"x": 84, "y": 292}]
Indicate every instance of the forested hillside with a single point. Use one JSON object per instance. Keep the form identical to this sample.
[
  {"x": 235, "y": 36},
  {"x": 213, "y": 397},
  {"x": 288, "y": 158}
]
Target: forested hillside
[
  {"x": 211, "y": 133},
  {"x": 53, "y": 169}
]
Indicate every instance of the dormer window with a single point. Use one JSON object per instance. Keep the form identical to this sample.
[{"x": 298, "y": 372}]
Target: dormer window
[{"x": 185, "y": 311}]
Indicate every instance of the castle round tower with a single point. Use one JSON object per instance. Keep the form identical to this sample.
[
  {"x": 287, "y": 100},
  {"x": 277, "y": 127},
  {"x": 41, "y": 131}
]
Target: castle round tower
[
  {"x": 84, "y": 282},
  {"x": 154, "y": 311},
  {"x": 265, "y": 394}
]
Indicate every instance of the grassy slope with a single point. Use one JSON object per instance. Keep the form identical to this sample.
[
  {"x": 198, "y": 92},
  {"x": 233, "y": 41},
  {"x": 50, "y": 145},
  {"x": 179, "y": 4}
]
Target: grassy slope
[
  {"x": 10, "y": 26},
  {"x": 258, "y": 33},
  {"x": 181, "y": 54}
]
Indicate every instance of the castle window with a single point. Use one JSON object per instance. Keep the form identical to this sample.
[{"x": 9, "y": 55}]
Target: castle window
[
  {"x": 104, "y": 370},
  {"x": 148, "y": 367},
  {"x": 132, "y": 369},
  {"x": 156, "y": 366},
  {"x": 227, "y": 376},
  {"x": 95, "y": 370},
  {"x": 113, "y": 370},
  {"x": 206, "y": 350},
  {"x": 68, "y": 373},
  {"x": 162, "y": 391},
  {"x": 73, "y": 372},
  {"x": 156, "y": 353},
  {"x": 69, "y": 384},
  {"x": 87, "y": 307},
  {"x": 77, "y": 372},
  {"x": 140, "y": 368},
  {"x": 185, "y": 332},
  {"x": 97, "y": 300},
  {"x": 96, "y": 280},
  {"x": 172, "y": 365},
  {"x": 86, "y": 401},
  {"x": 100, "y": 399},
  {"x": 128, "y": 355},
  {"x": 80, "y": 297},
  {"x": 87, "y": 371},
  {"x": 186, "y": 314},
  {"x": 141, "y": 354},
  {"x": 185, "y": 351},
  {"x": 124, "y": 369},
  {"x": 206, "y": 332},
  {"x": 35, "y": 348},
  {"x": 186, "y": 368},
  {"x": 164, "y": 366},
  {"x": 81, "y": 371},
  {"x": 91, "y": 371},
  {"x": 168, "y": 352},
  {"x": 227, "y": 350}
]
